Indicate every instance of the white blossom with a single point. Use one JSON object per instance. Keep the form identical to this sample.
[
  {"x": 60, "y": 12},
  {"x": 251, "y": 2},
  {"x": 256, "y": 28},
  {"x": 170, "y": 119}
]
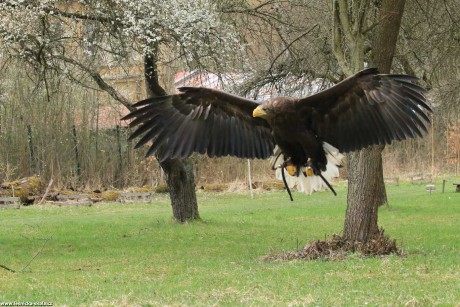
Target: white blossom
[{"x": 192, "y": 29}]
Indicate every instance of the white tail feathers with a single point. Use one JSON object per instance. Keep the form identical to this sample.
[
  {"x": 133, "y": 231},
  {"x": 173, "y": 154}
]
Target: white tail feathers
[
  {"x": 333, "y": 155},
  {"x": 310, "y": 184}
]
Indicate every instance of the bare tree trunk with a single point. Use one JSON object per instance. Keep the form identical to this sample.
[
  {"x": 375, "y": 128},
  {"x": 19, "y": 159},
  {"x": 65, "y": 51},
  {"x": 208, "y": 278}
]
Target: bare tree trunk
[
  {"x": 365, "y": 192},
  {"x": 386, "y": 36},
  {"x": 179, "y": 173},
  {"x": 181, "y": 183},
  {"x": 366, "y": 188}
]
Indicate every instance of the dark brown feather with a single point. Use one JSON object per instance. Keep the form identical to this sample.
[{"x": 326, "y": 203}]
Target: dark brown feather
[
  {"x": 368, "y": 109},
  {"x": 204, "y": 121}
]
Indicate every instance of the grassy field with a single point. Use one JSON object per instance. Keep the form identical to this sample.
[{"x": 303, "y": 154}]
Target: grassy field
[{"x": 114, "y": 254}]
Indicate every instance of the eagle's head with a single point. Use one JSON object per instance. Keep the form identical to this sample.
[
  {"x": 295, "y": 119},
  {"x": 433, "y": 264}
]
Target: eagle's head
[
  {"x": 265, "y": 110},
  {"x": 270, "y": 107},
  {"x": 262, "y": 111}
]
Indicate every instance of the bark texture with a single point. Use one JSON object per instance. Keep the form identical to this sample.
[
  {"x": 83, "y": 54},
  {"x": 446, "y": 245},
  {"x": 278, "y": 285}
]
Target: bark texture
[
  {"x": 366, "y": 191},
  {"x": 181, "y": 183},
  {"x": 366, "y": 188},
  {"x": 386, "y": 36},
  {"x": 179, "y": 172}
]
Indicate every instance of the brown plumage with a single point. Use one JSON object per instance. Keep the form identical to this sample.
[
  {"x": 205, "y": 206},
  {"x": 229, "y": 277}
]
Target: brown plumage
[{"x": 365, "y": 109}]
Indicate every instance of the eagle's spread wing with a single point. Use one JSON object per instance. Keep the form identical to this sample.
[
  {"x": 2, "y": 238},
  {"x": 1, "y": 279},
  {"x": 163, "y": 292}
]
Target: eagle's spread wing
[
  {"x": 367, "y": 108},
  {"x": 201, "y": 120}
]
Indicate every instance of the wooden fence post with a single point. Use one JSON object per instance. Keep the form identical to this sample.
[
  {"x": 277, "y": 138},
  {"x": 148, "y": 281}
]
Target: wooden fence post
[
  {"x": 250, "y": 179},
  {"x": 75, "y": 148}
]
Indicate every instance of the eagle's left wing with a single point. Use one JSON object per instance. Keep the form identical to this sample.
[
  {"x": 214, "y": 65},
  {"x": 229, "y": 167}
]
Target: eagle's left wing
[{"x": 366, "y": 109}]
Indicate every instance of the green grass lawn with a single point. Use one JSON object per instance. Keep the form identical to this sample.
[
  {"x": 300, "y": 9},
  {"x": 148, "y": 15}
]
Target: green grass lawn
[{"x": 114, "y": 254}]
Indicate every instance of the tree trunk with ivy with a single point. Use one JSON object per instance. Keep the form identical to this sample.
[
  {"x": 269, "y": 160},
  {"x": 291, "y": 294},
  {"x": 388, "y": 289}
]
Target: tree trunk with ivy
[{"x": 179, "y": 172}]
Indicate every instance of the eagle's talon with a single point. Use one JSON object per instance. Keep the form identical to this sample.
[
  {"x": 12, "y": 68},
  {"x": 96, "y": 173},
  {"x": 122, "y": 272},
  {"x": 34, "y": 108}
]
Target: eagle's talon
[{"x": 291, "y": 169}]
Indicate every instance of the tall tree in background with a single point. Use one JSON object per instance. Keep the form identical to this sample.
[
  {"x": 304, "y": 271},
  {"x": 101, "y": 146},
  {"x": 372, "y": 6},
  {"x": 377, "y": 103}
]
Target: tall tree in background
[{"x": 366, "y": 189}]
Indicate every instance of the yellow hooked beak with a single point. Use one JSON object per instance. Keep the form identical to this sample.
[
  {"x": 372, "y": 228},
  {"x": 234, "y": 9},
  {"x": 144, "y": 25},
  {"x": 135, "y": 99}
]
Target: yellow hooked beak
[{"x": 259, "y": 112}]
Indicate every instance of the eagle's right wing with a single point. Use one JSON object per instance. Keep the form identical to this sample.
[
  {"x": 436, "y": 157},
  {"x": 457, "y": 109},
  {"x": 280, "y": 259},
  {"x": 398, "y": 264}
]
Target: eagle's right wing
[{"x": 201, "y": 120}]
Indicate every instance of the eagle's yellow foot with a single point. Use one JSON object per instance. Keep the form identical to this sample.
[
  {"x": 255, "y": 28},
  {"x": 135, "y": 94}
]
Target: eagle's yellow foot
[
  {"x": 309, "y": 171},
  {"x": 291, "y": 169}
]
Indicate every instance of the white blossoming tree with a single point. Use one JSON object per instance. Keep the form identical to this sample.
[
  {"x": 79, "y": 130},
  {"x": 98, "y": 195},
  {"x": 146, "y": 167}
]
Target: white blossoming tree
[{"x": 72, "y": 39}]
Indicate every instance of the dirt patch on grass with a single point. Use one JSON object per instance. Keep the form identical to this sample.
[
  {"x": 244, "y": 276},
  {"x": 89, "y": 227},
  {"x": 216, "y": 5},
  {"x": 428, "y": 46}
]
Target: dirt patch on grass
[{"x": 338, "y": 248}]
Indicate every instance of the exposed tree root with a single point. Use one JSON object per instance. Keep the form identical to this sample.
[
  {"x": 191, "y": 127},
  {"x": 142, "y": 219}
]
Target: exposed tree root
[{"x": 337, "y": 248}]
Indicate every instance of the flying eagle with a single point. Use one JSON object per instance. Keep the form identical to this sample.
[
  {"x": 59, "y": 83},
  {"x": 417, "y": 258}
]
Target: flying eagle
[{"x": 365, "y": 109}]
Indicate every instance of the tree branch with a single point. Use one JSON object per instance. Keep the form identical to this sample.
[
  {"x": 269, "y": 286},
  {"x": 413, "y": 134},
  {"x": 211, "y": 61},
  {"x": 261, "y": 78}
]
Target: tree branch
[
  {"x": 360, "y": 20},
  {"x": 337, "y": 38},
  {"x": 100, "y": 82},
  {"x": 344, "y": 19},
  {"x": 151, "y": 73},
  {"x": 288, "y": 46},
  {"x": 56, "y": 11}
]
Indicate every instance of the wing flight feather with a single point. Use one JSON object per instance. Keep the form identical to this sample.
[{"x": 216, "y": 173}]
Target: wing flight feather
[
  {"x": 201, "y": 120},
  {"x": 368, "y": 108}
]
